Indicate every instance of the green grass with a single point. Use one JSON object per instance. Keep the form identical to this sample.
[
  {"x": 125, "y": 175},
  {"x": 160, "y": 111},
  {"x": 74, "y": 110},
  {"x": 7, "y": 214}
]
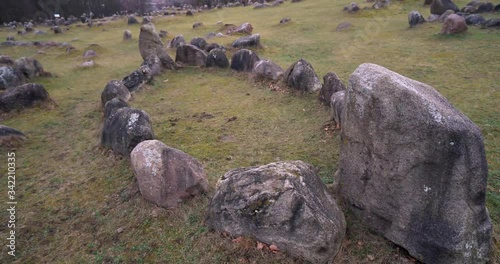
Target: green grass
[{"x": 73, "y": 196}]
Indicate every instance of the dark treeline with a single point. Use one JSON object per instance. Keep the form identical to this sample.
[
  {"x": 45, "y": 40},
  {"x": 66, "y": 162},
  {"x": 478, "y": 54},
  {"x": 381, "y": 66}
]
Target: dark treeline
[{"x": 38, "y": 10}]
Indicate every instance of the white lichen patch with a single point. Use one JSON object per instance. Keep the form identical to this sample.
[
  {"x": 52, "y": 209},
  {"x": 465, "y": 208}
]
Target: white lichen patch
[
  {"x": 427, "y": 188},
  {"x": 132, "y": 120}
]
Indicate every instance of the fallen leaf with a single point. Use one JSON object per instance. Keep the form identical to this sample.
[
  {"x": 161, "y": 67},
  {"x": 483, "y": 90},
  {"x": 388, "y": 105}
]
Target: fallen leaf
[
  {"x": 238, "y": 239},
  {"x": 360, "y": 243},
  {"x": 371, "y": 257},
  {"x": 273, "y": 248},
  {"x": 261, "y": 246}
]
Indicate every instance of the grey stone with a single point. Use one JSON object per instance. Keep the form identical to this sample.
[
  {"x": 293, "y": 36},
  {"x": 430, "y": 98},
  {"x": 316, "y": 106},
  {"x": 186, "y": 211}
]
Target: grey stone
[
  {"x": 177, "y": 42},
  {"x": 30, "y": 67},
  {"x": 124, "y": 129},
  {"x": 352, "y": 8},
  {"x": 138, "y": 78},
  {"x": 454, "y": 24},
  {"x": 26, "y": 95},
  {"x": 167, "y": 176},
  {"x": 415, "y": 18},
  {"x": 301, "y": 76},
  {"x": 474, "y": 19},
  {"x": 266, "y": 69},
  {"x": 89, "y": 54},
  {"x": 10, "y": 137},
  {"x": 443, "y": 16},
  {"x": 199, "y": 42},
  {"x": 131, "y": 20},
  {"x": 217, "y": 58},
  {"x": 331, "y": 85},
  {"x": 149, "y": 41},
  {"x": 114, "y": 89},
  {"x": 245, "y": 29},
  {"x": 492, "y": 22},
  {"x": 244, "y": 60},
  {"x": 113, "y": 105},
  {"x": 283, "y": 204},
  {"x": 413, "y": 168},
  {"x": 154, "y": 63},
  {"x": 127, "y": 35},
  {"x": 337, "y": 106},
  {"x": 10, "y": 77},
  {"x": 247, "y": 41},
  {"x": 438, "y": 7},
  {"x": 190, "y": 55}
]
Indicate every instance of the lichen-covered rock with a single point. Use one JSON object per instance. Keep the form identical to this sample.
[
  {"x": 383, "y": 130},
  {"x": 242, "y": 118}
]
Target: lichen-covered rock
[
  {"x": 413, "y": 168},
  {"x": 10, "y": 77},
  {"x": 247, "y": 41},
  {"x": 284, "y": 204},
  {"x": 154, "y": 63},
  {"x": 138, "y": 78},
  {"x": 415, "y": 18},
  {"x": 124, "y": 129},
  {"x": 301, "y": 76},
  {"x": 149, "y": 41},
  {"x": 114, "y": 89},
  {"x": 474, "y": 19},
  {"x": 266, "y": 69},
  {"x": 217, "y": 58},
  {"x": 454, "y": 24},
  {"x": 331, "y": 85},
  {"x": 23, "y": 96},
  {"x": 244, "y": 60},
  {"x": 245, "y": 29},
  {"x": 190, "y": 55},
  {"x": 492, "y": 22},
  {"x": 199, "y": 42},
  {"x": 166, "y": 176}
]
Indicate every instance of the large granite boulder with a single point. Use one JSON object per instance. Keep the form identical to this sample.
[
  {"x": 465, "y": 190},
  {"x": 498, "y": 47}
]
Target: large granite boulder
[
  {"x": 124, "y": 129},
  {"x": 138, "y": 78},
  {"x": 301, "y": 76},
  {"x": 26, "y": 95},
  {"x": 114, "y": 89},
  {"x": 283, "y": 204},
  {"x": 10, "y": 77},
  {"x": 217, "y": 58},
  {"x": 244, "y": 60},
  {"x": 266, "y": 69},
  {"x": 413, "y": 168},
  {"x": 438, "y": 7},
  {"x": 190, "y": 55},
  {"x": 30, "y": 67},
  {"x": 454, "y": 24},
  {"x": 331, "y": 85},
  {"x": 415, "y": 18},
  {"x": 149, "y": 41},
  {"x": 247, "y": 41},
  {"x": 166, "y": 176},
  {"x": 10, "y": 137}
]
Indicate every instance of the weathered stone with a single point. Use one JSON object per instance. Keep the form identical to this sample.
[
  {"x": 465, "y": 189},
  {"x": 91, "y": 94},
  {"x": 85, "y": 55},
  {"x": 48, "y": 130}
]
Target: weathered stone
[
  {"x": 266, "y": 69},
  {"x": 177, "y": 42},
  {"x": 217, "y": 58},
  {"x": 190, "y": 55},
  {"x": 10, "y": 38},
  {"x": 331, "y": 85},
  {"x": 166, "y": 176},
  {"x": 413, "y": 168},
  {"x": 344, "y": 26},
  {"x": 87, "y": 64},
  {"x": 149, "y": 41},
  {"x": 113, "y": 105},
  {"x": 146, "y": 20},
  {"x": 438, "y": 7},
  {"x": 23, "y": 96},
  {"x": 166, "y": 61},
  {"x": 432, "y": 18},
  {"x": 127, "y": 35},
  {"x": 381, "y": 4},
  {"x": 154, "y": 63},
  {"x": 492, "y": 22},
  {"x": 352, "y": 8},
  {"x": 197, "y": 25},
  {"x": 485, "y": 8},
  {"x": 246, "y": 29},
  {"x": 337, "y": 106},
  {"x": 114, "y": 89},
  {"x": 131, "y": 20},
  {"x": 189, "y": 13},
  {"x": 138, "y": 78},
  {"x": 57, "y": 30},
  {"x": 454, "y": 24},
  {"x": 443, "y": 16},
  {"x": 163, "y": 34},
  {"x": 10, "y": 77},
  {"x": 199, "y": 42},
  {"x": 301, "y": 76},
  {"x": 10, "y": 137},
  {"x": 244, "y": 60},
  {"x": 30, "y": 67},
  {"x": 474, "y": 19},
  {"x": 247, "y": 41},
  {"x": 285, "y": 20},
  {"x": 212, "y": 46},
  {"x": 6, "y": 60},
  {"x": 89, "y": 54},
  {"x": 283, "y": 204},
  {"x": 124, "y": 129},
  {"x": 415, "y": 18}
]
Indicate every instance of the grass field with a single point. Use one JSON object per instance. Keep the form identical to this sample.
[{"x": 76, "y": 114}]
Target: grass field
[{"x": 77, "y": 203}]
